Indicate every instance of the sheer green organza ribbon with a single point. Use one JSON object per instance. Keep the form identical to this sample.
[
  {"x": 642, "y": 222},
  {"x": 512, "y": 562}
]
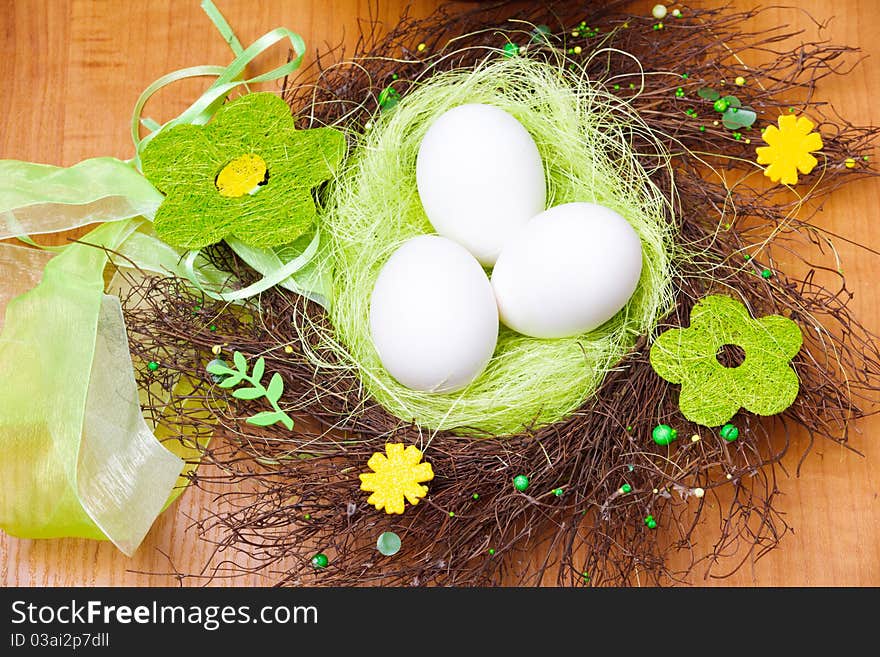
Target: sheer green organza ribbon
[{"x": 76, "y": 455}]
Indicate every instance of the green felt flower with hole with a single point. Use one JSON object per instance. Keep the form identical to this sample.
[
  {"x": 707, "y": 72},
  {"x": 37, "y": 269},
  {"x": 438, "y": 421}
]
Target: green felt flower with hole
[
  {"x": 712, "y": 393},
  {"x": 248, "y": 173}
]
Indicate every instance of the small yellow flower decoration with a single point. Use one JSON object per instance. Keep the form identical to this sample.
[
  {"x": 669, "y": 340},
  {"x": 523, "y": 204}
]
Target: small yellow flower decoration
[
  {"x": 789, "y": 149},
  {"x": 396, "y": 476}
]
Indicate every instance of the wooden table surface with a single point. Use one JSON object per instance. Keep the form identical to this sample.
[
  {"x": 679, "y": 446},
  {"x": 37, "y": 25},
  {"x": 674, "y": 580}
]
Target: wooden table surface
[{"x": 71, "y": 71}]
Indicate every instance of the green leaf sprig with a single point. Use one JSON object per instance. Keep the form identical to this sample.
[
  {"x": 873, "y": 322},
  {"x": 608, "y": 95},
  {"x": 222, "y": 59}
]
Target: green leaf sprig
[{"x": 228, "y": 377}]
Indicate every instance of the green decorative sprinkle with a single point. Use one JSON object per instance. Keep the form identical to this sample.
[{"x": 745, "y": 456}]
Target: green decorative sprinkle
[
  {"x": 685, "y": 76},
  {"x": 152, "y": 366},
  {"x": 737, "y": 118},
  {"x": 557, "y": 492},
  {"x": 217, "y": 378},
  {"x": 679, "y": 93},
  {"x": 452, "y": 514},
  {"x": 272, "y": 393},
  {"x": 626, "y": 488},
  {"x": 491, "y": 551},
  {"x": 702, "y": 128},
  {"x": 212, "y": 327},
  {"x": 721, "y": 105},
  {"x": 388, "y": 544},
  {"x": 652, "y": 524},
  {"x": 746, "y": 256},
  {"x": 708, "y": 93},
  {"x": 616, "y": 87},
  {"x": 476, "y": 496},
  {"x": 729, "y": 432},
  {"x": 308, "y": 516},
  {"x": 520, "y": 482},
  {"x": 541, "y": 34},
  {"x": 586, "y": 576},
  {"x": 766, "y": 273},
  {"x": 388, "y": 98},
  {"x": 320, "y": 560},
  {"x": 663, "y": 434}
]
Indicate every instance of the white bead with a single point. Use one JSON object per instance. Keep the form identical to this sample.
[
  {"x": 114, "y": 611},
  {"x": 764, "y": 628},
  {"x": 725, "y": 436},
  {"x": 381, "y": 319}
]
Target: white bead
[
  {"x": 699, "y": 492},
  {"x": 659, "y": 12}
]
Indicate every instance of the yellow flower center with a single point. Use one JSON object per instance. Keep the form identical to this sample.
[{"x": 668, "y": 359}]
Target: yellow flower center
[{"x": 243, "y": 175}]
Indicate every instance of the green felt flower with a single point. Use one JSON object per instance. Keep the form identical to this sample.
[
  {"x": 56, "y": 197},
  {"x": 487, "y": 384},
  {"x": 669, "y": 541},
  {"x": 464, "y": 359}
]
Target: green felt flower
[
  {"x": 711, "y": 392},
  {"x": 248, "y": 173}
]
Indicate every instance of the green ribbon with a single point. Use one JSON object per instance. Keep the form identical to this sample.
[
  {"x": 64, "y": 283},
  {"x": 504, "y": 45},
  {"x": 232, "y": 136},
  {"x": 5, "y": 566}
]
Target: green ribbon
[
  {"x": 78, "y": 458},
  {"x": 39, "y": 198}
]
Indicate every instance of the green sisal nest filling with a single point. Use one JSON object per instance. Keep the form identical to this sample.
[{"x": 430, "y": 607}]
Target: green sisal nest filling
[{"x": 586, "y": 139}]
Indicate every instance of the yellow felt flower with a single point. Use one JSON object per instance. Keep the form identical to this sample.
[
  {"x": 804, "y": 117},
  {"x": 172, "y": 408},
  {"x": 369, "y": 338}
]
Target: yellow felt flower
[
  {"x": 395, "y": 477},
  {"x": 789, "y": 149}
]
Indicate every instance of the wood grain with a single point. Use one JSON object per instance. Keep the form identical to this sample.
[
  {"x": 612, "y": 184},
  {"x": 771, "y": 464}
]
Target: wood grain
[{"x": 71, "y": 71}]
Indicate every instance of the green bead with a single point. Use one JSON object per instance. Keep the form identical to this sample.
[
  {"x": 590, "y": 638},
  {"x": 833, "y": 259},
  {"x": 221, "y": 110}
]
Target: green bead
[
  {"x": 217, "y": 378},
  {"x": 766, "y": 273},
  {"x": 626, "y": 488},
  {"x": 652, "y": 524},
  {"x": 721, "y": 105},
  {"x": 557, "y": 492},
  {"x": 452, "y": 514},
  {"x": 541, "y": 33},
  {"x": 746, "y": 256},
  {"x": 388, "y": 98},
  {"x": 520, "y": 482},
  {"x": 663, "y": 434},
  {"x": 729, "y": 432},
  {"x": 649, "y": 519},
  {"x": 702, "y": 128},
  {"x": 491, "y": 551},
  {"x": 212, "y": 328},
  {"x": 320, "y": 560},
  {"x": 476, "y": 496},
  {"x": 308, "y": 516},
  {"x": 388, "y": 544},
  {"x": 152, "y": 366}
]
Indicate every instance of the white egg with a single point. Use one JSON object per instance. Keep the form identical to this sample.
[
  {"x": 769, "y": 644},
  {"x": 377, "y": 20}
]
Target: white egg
[
  {"x": 570, "y": 270},
  {"x": 433, "y": 316},
  {"x": 480, "y": 178}
]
